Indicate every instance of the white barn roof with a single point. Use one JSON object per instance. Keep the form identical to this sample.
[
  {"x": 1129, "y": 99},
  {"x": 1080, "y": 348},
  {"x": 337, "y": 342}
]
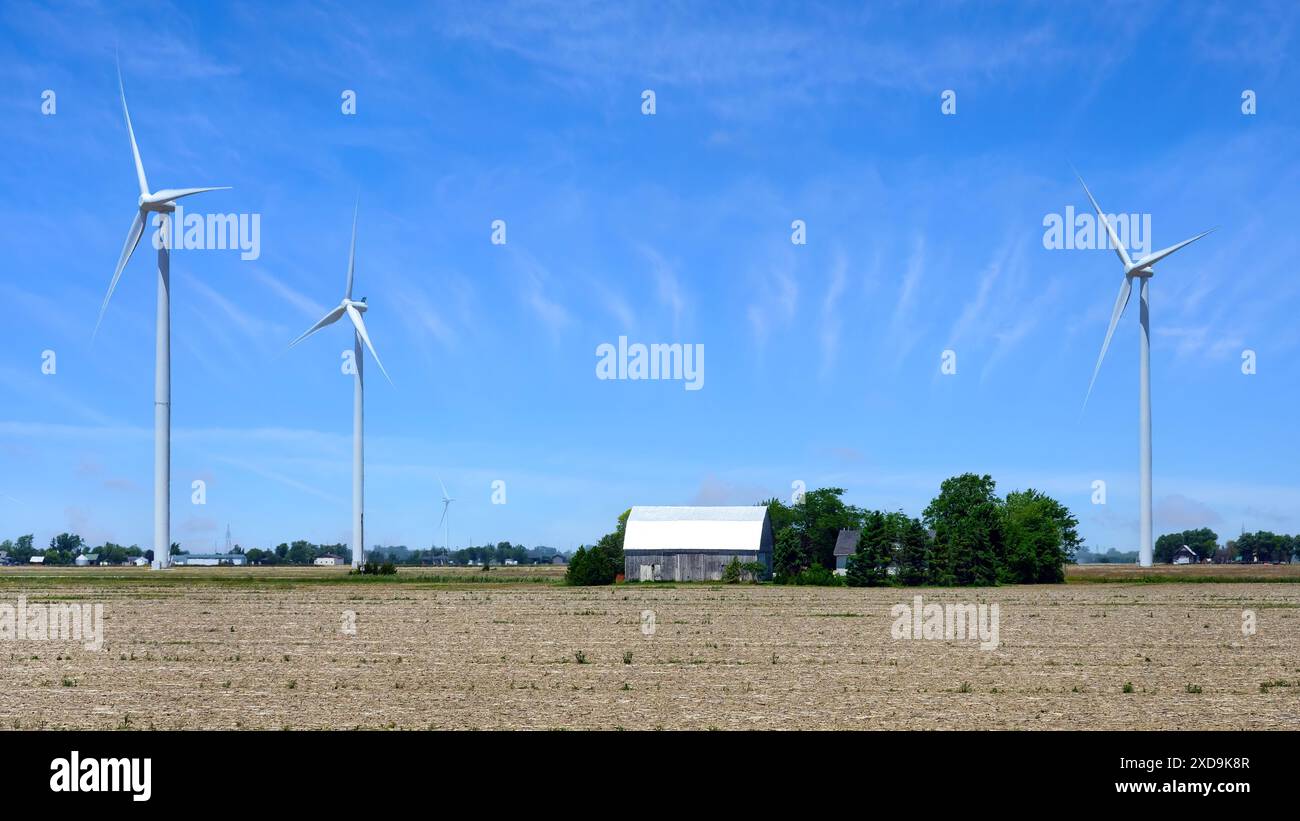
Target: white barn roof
[{"x": 725, "y": 529}]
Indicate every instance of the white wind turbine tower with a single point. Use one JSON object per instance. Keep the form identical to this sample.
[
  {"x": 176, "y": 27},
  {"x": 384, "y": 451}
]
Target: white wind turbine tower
[
  {"x": 1143, "y": 271},
  {"x": 445, "y": 521},
  {"x": 354, "y": 309},
  {"x": 163, "y": 203}
]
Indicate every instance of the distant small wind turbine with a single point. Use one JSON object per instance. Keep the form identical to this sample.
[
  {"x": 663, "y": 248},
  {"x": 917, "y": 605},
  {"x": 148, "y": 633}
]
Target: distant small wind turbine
[
  {"x": 445, "y": 521},
  {"x": 354, "y": 309},
  {"x": 1142, "y": 270},
  {"x": 163, "y": 203}
]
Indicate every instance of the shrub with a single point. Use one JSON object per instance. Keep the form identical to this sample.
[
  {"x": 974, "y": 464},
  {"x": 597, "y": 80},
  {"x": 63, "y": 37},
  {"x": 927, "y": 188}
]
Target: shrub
[
  {"x": 601, "y": 564},
  {"x": 815, "y": 576},
  {"x": 732, "y": 573},
  {"x": 373, "y": 568}
]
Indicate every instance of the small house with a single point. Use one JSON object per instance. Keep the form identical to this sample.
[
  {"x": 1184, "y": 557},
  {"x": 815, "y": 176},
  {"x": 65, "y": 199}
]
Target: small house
[
  {"x": 327, "y": 561},
  {"x": 1185, "y": 555},
  {"x": 846, "y": 544}
]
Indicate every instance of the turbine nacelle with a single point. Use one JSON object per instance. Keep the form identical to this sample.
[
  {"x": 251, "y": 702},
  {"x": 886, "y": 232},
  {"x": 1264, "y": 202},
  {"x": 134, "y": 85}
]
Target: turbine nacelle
[
  {"x": 359, "y": 305},
  {"x": 147, "y": 202}
]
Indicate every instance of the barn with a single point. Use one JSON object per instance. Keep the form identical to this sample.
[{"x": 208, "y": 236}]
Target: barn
[{"x": 694, "y": 543}]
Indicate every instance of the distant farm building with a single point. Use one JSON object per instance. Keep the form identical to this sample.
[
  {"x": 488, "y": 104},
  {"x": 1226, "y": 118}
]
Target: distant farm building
[
  {"x": 846, "y": 544},
  {"x": 1185, "y": 555},
  {"x": 327, "y": 561},
  {"x": 86, "y": 559},
  {"x": 209, "y": 559},
  {"x": 36, "y": 560},
  {"x": 559, "y": 560},
  {"x": 694, "y": 543}
]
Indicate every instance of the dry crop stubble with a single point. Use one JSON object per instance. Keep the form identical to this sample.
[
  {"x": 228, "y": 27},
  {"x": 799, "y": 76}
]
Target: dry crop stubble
[{"x": 198, "y": 650}]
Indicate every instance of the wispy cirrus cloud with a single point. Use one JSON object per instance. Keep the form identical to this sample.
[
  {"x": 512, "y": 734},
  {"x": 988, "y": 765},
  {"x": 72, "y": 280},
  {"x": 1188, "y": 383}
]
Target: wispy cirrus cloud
[
  {"x": 905, "y": 327},
  {"x": 668, "y": 286},
  {"x": 832, "y": 312},
  {"x": 535, "y": 282}
]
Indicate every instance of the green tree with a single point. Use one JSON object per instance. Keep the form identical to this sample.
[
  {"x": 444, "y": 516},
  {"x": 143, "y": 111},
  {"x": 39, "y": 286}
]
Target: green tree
[
  {"x": 966, "y": 520},
  {"x": 779, "y": 514},
  {"x": 913, "y": 554},
  {"x": 824, "y": 515},
  {"x": 300, "y": 552},
  {"x": 1265, "y": 546},
  {"x": 789, "y": 556},
  {"x": 602, "y": 563},
  {"x": 67, "y": 543},
  {"x": 22, "y": 549},
  {"x": 1040, "y": 537},
  {"x": 869, "y": 564}
]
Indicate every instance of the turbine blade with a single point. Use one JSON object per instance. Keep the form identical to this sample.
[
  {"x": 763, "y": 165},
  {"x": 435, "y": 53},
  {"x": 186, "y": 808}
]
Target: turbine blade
[
  {"x": 135, "y": 149},
  {"x": 445, "y": 497},
  {"x": 352, "y": 252},
  {"x": 444, "y": 514},
  {"x": 355, "y": 316},
  {"x": 177, "y": 193},
  {"x": 329, "y": 319},
  {"x": 1121, "y": 302},
  {"x": 132, "y": 240},
  {"x": 1120, "y": 250},
  {"x": 1152, "y": 259}
]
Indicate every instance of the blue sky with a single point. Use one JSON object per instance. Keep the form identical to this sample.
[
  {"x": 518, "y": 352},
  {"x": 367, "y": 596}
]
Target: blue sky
[{"x": 924, "y": 234}]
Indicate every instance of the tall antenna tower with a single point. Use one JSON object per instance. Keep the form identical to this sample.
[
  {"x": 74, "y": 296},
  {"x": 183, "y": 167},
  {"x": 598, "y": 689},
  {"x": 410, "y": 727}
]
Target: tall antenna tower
[{"x": 229, "y": 545}]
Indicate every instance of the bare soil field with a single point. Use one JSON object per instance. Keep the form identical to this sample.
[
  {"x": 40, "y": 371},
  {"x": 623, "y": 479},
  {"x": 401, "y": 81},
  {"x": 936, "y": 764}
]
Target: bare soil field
[
  {"x": 1185, "y": 574},
  {"x": 197, "y": 648}
]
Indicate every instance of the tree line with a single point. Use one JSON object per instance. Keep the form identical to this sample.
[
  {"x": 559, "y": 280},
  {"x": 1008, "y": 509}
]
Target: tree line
[
  {"x": 1259, "y": 546},
  {"x": 967, "y": 535},
  {"x": 304, "y": 552},
  {"x": 65, "y": 547}
]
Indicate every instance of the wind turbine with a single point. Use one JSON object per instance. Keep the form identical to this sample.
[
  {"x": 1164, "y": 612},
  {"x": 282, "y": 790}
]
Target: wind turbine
[
  {"x": 354, "y": 309},
  {"x": 1141, "y": 270},
  {"x": 445, "y": 520},
  {"x": 162, "y": 203}
]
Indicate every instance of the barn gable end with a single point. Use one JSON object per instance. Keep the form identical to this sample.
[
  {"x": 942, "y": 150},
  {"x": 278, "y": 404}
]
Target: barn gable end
[{"x": 683, "y": 543}]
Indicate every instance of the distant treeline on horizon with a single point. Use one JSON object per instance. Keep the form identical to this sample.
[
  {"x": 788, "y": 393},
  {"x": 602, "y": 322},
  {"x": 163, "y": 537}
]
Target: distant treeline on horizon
[{"x": 66, "y": 547}]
